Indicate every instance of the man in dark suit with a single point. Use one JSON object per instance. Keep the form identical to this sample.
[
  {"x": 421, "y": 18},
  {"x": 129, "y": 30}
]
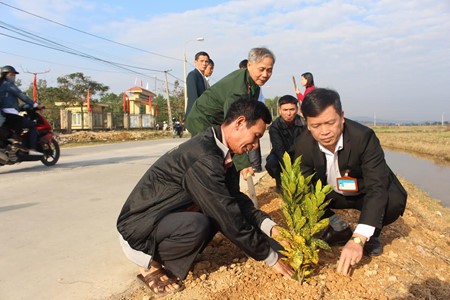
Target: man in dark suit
[
  {"x": 349, "y": 157},
  {"x": 196, "y": 82}
]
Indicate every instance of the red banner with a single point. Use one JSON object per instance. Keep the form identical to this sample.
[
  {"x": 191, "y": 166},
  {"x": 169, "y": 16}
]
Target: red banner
[
  {"x": 34, "y": 88},
  {"x": 88, "y": 100}
]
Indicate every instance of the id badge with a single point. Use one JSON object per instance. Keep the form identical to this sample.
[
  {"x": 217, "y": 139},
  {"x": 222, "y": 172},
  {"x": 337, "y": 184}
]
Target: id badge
[{"x": 347, "y": 184}]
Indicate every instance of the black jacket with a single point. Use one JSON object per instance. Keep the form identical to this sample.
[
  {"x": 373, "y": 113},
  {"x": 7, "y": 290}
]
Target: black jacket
[
  {"x": 363, "y": 156},
  {"x": 193, "y": 172},
  {"x": 282, "y": 136}
]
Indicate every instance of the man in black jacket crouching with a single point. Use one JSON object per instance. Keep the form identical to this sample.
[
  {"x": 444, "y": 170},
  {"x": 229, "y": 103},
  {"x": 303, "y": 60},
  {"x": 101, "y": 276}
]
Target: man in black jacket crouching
[{"x": 192, "y": 192}]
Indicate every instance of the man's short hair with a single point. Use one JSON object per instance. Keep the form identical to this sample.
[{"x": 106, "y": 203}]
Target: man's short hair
[
  {"x": 287, "y": 99},
  {"x": 318, "y": 100},
  {"x": 201, "y": 53},
  {"x": 211, "y": 62},
  {"x": 252, "y": 111}
]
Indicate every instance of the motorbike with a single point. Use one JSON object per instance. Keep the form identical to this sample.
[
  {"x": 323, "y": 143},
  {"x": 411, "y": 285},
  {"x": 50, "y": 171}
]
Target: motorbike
[
  {"x": 12, "y": 151},
  {"x": 177, "y": 129}
]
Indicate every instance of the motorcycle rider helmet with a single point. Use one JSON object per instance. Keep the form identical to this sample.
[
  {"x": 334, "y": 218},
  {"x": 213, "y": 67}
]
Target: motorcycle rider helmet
[{"x": 9, "y": 69}]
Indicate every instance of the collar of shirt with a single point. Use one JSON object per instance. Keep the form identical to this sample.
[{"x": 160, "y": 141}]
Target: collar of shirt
[
  {"x": 224, "y": 147},
  {"x": 332, "y": 163}
]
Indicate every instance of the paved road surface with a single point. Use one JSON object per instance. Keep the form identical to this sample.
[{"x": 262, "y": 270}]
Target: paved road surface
[{"x": 57, "y": 224}]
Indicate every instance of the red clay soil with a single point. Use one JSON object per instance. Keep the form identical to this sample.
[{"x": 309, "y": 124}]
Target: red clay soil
[{"x": 415, "y": 263}]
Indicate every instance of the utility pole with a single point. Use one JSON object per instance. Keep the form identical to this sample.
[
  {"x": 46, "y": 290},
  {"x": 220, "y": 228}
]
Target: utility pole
[
  {"x": 169, "y": 112},
  {"x": 374, "y": 119}
]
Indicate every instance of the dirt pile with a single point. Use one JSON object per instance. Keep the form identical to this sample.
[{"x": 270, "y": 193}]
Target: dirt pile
[
  {"x": 81, "y": 137},
  {"x": 415, "y": 263}
]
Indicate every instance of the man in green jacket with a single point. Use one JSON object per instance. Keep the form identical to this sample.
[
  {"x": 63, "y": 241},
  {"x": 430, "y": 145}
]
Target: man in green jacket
[{"x": 211, "y": 107}]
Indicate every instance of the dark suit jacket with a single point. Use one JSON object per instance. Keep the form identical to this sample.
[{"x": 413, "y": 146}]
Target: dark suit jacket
[
  {"x": 362, "y": 155},
  {"x": 195, "y": 84}
]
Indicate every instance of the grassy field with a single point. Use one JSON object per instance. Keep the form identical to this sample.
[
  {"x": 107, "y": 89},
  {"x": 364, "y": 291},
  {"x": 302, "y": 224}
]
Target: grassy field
[{"x": 430, "y": 141}]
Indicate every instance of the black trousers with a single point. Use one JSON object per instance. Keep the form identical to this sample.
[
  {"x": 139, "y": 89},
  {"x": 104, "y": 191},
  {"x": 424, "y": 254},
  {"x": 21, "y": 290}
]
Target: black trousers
[
  {"x": 273, "y": 167},
  {"x": 395, "y": 207},
  {"x": 180, "y": 237},
  {"x": 18, "y": 123},
  {"x": 255, "y": 157}
]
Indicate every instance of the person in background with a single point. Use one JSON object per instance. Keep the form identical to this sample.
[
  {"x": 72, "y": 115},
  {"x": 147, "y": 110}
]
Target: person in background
[
  {"x": 190, "y": 194},
  {"x": 283, "y": 131},
  {"x": 196, "y": 82},
  {"x": 307, "y": 80},
  {"x": 243, "y": 64},
  {"x": 348, "y": 156},
  {"x": 9, "y": 105},
  {"x": 209, "y": 71},
  {"x": 210, "y": 108},
  {"x": 254, "y": 156}
]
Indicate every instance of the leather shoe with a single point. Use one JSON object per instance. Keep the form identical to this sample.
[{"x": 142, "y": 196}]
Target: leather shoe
[
  {"x": 333, "y": 237},
  {"x": 373, "y": 247}
]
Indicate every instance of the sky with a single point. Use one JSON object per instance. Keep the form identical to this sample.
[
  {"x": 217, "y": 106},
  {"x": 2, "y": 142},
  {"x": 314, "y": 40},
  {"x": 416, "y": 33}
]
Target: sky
[{"x": 388, "y": 59}]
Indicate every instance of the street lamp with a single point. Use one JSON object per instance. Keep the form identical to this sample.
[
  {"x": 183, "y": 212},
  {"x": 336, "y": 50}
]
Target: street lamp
[{"x": 199, "y": 39}]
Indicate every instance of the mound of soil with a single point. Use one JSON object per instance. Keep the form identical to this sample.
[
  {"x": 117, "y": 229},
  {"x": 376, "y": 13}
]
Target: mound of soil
[{"x": 415, "y": 263}]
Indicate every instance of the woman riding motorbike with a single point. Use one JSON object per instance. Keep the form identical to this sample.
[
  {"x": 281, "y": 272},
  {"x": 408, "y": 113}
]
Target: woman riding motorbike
[{"x": 9, "y": 105}]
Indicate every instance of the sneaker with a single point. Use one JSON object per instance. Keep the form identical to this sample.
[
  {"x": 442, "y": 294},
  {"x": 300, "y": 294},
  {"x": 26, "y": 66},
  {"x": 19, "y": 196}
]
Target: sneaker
[{"x": 373, "y": 247}]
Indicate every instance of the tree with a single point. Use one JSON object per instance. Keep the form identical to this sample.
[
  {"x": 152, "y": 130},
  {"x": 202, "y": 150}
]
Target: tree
[
  {"x": 77, "y": 84},
  {"x": 272, "y": 105},
  {"x": 114, "y": 102},
  {"x": 48, "y": 96},
  {"x": 176, "y": 97}
]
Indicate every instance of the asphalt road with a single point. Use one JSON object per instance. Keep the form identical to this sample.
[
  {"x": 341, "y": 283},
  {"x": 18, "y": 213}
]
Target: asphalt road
[{"x": 57, "y": 224}]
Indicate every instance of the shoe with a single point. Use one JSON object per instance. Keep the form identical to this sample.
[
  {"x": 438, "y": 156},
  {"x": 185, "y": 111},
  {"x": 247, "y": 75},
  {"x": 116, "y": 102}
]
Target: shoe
[
  {"x": 19, "y": 146},
  {"x": 157, "y": 285},
  {"x": 3, "y": 156},
  {"x": 373, "y": 247},
  {"x": 332, "y": 237}
]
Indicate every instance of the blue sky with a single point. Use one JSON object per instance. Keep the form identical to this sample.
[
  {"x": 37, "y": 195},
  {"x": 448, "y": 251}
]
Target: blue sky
[{"x": 386, "y": 58}]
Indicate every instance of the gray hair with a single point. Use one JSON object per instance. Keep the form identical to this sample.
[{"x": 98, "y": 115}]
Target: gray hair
[{"x": 256, "y": 55}]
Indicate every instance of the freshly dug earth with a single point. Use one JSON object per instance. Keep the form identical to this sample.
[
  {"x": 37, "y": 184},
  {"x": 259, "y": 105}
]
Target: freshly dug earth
[{"x": 415, "y": 263}]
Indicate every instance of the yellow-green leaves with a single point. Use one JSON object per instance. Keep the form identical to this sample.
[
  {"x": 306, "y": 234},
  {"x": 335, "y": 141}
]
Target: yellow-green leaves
[{"x": 303, "y": 207}]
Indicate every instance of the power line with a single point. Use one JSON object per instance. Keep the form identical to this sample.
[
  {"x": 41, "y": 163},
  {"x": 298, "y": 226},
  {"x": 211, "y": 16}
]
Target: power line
[
  {"x": 43, "y": 42},
  {"x": 90, "y": 34}
]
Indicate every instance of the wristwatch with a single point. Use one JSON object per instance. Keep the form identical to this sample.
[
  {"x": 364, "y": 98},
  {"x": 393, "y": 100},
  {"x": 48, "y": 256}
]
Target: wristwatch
[{"x": 358, "y": 241}]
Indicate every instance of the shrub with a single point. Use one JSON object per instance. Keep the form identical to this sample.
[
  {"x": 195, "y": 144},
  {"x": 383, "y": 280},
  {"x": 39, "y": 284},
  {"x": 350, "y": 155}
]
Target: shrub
[{"x": 303, "y": 207}]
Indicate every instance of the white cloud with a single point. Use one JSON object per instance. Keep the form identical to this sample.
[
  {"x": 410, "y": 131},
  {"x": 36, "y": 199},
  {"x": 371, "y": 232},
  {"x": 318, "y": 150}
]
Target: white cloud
[{"x": 387, "y": 57}]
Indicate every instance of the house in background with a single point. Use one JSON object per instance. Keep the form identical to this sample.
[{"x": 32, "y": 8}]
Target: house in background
[
  {"x": 84, "y": 116},
  {"x": 139, "y": 109},
  {"x": 139, "y": 112}
]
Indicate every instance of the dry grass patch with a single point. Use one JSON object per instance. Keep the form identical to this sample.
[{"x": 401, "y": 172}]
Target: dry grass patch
[{"x": 432, "y": 141}]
